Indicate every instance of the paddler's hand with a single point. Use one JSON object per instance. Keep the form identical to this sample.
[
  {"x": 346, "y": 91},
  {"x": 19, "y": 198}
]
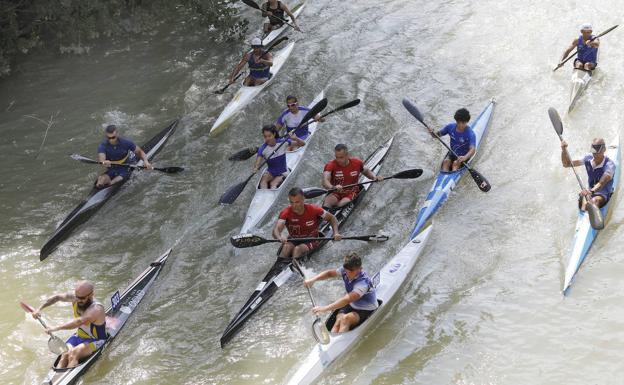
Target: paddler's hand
[
  {"x": 338, "y": 188},
  {"x": 564, "y": 144},
  {"x": 148, "y": 165},
  {"x": 379, "y": 178},
  {"x": 50, "y": 330},
  {"x": 36, "y": 314},
  {"x": 107, "y": 163},
  {"x": 317, "y": 310},
  {"x": 337, "y": 237},
  {"x": 308, "y": 282},
  {"x": 283, "y": 240},
  {"x": 297, "y": 28},
  {"x": 586, "y": 193}
]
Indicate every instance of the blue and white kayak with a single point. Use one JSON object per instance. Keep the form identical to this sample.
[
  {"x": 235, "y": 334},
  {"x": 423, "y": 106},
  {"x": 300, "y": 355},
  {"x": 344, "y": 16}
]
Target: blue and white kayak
[
  {"x": 445, "y": 182},
  {"x": 584, "y": 235},
  {"x": 390, "y": 280}
]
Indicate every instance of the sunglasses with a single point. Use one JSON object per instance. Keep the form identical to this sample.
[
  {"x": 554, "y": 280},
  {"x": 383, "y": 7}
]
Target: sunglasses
[
  {"x": 111, "y": 137},
  {"x": 291, "y": 104},
  {"x": 597, "y": 148},
  {"x": 79, "y": 298}
]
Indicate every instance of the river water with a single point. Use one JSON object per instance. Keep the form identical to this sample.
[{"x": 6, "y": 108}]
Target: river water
[{"x": 483, "y": 305}]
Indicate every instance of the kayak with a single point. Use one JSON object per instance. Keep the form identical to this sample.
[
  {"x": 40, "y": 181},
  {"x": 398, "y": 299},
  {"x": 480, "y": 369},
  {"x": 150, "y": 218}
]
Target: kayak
[
  {"x": 445, "y": 182},
  {"x": 282, "y": 269},
  {"x": 296, "y": 11},
  {"x": 123, "y": 305},
  {"x": 580, "y": 80},
  {"x": 264, "y": 199},
  {"x": 97, "y": 197},
  {"x": 390, "y": 280},
  {"x": 584, "y": 234},
  {"x": 246, "y": 94}
]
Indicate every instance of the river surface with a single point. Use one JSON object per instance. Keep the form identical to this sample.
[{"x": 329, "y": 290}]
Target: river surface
[{"x": 483, "y": 305}]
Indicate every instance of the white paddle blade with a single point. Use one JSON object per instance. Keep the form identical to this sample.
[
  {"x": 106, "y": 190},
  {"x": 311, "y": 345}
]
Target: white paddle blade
[
  {"x": 56, "y": 345},
  {"x": 320, "y": 332}
]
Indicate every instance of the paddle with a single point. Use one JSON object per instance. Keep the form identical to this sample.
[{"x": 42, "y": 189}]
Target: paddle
[
  {"x": 313, "y": 192},
  {"x": 319, "y": 331},
  {"x": 55, "y": 344},
  {"x": 256, "y": 6},
  {"x": 230, "y": 195},
  {"x": 168, "y": 170},
  {"x": 242, "y": 241},
  {"x": 247, "y": 153},
  {"x": 222, "y": 90},
  {"x": 479, "y": 179},
  {"x": 595, "y": 217},
  {"x": 575, "y": 52}
]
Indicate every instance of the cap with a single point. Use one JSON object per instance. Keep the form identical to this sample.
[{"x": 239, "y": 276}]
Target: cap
[
  {"x": 256, "y": 42},
  {"x": 586, "y": 27}
]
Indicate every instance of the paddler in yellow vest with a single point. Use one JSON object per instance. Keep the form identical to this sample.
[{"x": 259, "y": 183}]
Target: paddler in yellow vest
[
  {"x": 259, "y": 63},
  {"x": 89, "y": 318}
]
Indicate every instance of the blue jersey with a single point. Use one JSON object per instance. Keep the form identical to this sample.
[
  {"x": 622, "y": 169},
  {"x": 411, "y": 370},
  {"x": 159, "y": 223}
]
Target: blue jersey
[
  {"x": 122, "y": 152},
  {"x": 363, "y": 285},
  {"x": 258, "y": 70},
  {"x": 586, "y": 54},
  {"x": 460, "y": 141},
  {"x": 291, "y": 121},
  {"x": 277, "y": 162},
  {"x": 594, "y": 173}
]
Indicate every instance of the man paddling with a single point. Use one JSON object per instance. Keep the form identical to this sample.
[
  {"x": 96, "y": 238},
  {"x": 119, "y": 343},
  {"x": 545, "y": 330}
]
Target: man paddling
[
  {"x": 302, "y": 220},
  {"x": 90, "y": 319},
  {"x": 273, "y": 152},
  {"x": 359, "y": 302},
  {"x": 275, "y": 10},
  {"x": 341, "y": 171},
  {"x": 292, "y": 116},
  {"x": 259, "y": 63},
  {"x": 600, "y": 170},
  {"x": 113, "y": 152},
  {"x": 463, "y": 141},
  {"x": 587, "y": 57}
]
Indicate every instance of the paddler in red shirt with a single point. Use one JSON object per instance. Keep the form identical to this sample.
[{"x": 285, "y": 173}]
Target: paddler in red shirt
[
  {"x": 342, "y": 171},
  {"x": 302, "y": 221}
]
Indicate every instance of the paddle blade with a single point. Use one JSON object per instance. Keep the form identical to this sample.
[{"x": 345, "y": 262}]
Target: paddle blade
[
  {"x": 244, "y": 154},
  {"x": 320, "y": 332},
  {"x": 412, "y": 109},
  {"x": 233, "y": 192},
  {"x": 318, "y": 107},
  {"x": 595, "y": 216},
  {"x": 27, "y": 308},
  {"x": 252, "y": 4},
  {"x": 480, "y": 180},
  {"x": 408, "y": 174},
  {"x": 56, "y": 345},
  {"x": 169, "y": 170},
  {"x": 379, "y": 238},
  {"x": 82, "y": 159},
  {"x": 313, "y": 192},
  {"x": 352, "y": 103},
  {"x": 275, "y": 43},
  {"x": 555, "y": 120},
  {"x": 242, "y": 241}
]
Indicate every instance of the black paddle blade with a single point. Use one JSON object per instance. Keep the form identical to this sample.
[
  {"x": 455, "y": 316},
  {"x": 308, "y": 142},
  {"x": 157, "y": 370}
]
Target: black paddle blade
[
  {"x": 481, "y": 182},
  {"x": 352, "y": 103},
  {"x": 244, "y": 154},
  {"x": 275, "y": 43},
  {"x": 555, "y": 120},
  {"x": 242, "y": 241},
  {"x": 318, "y": 107},
  {"x": 313, "y": 192},
  {"x": 170, "y": 170},
  {"x": 379, "y": 238},
  {"x": 595, "y": 216},
  {"x": 233, "y": 192},
  {"x": 412, "y": 109},
  {"x": 252, "y": 4},
  {"x": 408, "y": 174}
]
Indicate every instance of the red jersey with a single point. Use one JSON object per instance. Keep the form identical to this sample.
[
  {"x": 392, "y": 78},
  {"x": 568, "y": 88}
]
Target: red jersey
[
  {"x": 348, "y": 174},
  {"x": 305, "y": 225}
]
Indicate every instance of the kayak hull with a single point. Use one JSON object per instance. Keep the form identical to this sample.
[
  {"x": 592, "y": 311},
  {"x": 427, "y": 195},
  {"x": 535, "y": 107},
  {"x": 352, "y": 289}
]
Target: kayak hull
[
  {"x": 264, "y": 199},
  {"x": 580, "y": 81},
  {"x": 584, "y": 234},
  {"x": 445, "y": 182}
]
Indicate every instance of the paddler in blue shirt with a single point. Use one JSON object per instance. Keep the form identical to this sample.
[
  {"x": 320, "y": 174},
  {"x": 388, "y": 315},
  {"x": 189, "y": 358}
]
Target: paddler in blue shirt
[
  {"x": 600, "y": 170},
  {"x": 275, "y": 157},
  {"x": 259, "y": 63},
  {"x": 115, "y": 150},
  {"x": 359, "y": 302},
  {"x": 587, "y": 57},
  {"x": 291, "y": 118},
  {"x": 463, "y": 141},
  {"x": 89, "y": 318}
]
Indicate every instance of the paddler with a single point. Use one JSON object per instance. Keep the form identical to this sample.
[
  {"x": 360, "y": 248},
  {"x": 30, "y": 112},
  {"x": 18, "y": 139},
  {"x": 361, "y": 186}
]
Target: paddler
[
  {"x": 274, "y": 153},
  {"x": 259, "y": 63},
  {"x": 600, "y": 170},
  {"x": 291, "y": 118},
  {"x": 587, "y": 54},
  {"x": 275, "y": 10},
  {"x": 463, "y": 141},
  {"x": 302, "y": 220},
  {"x": 89, "y": 318},
  {"x": 359, "y": 302},
  {"x": 115, "y": 150},
  {"x": 341, "y": 171}
]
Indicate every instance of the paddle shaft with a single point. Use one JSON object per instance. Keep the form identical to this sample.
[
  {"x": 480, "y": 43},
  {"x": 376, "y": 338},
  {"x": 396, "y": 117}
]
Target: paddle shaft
[
  {"x": 134, "y": 166},
  {"x": 435, "y": 134},
  {"x": 576, "y": 52},
  {"x": 578, "y": 178}
]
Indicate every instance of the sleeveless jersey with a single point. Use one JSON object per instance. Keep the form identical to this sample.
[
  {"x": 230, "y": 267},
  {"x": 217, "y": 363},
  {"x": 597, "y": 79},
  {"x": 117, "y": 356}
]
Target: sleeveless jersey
[
  {"x": 363, "y": 285},
  {"x": 594, "y": 173},
  {"x": 276, "y": 163},
  {"x": 258, "y": 70},
  {"x": 586, "y": 54},
  {"x": 91, "y": 330},
  {"x": 278, "y": 12}
]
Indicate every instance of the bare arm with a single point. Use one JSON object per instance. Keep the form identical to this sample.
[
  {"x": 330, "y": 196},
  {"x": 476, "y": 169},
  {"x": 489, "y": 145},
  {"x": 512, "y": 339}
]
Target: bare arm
[
  {"x": 66, "y": 297},
  {"x": 259, "y": 160},
  {"x": 278, "y": 229},
  {"x": 371, "y": 175},
  {"x": 565, "y": 160},
  {"x": 327, "y": 180},
  {"x": 327, "y": 274},
  {"x": 92, "y": 315},
  {"x": 342, "y": 302},
  {"x": 267, "y": 59},
  {"x": 296, "y": 139},
  {"x": 331, "y": 218},
  {"x": 568, "y": 50},
  {"x": 292, "y": 17},
  {"x": 468, "y": 155},
  {"x": 238, "y": 67}
]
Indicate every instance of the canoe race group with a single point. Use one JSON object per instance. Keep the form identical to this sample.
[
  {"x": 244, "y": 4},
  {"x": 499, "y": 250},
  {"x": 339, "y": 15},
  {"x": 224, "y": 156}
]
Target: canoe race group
[{"x": 310, "y": 217}]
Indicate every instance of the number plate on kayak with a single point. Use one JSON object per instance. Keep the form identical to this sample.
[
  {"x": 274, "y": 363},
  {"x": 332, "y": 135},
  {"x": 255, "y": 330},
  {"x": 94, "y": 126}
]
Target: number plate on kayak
[
  {"x": 282, "y": 277},
  {"x": 115, "y": 301}
]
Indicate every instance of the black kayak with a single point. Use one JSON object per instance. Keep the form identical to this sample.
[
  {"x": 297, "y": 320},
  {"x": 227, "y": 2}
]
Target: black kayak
[
  {"x": 97, "y": 197},
  {"x": 282, "y": 269}
]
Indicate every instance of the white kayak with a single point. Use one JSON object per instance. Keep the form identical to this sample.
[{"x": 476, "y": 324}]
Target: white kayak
[
  {"x": 264, "y": 199},
  {"x": 246, "y": 94},
  {"x": 296, "y": 11},
  {"x": 584, "y": 234},
  {"x": 391, "y": 278},
  {"x": 580, "y": 80}
]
